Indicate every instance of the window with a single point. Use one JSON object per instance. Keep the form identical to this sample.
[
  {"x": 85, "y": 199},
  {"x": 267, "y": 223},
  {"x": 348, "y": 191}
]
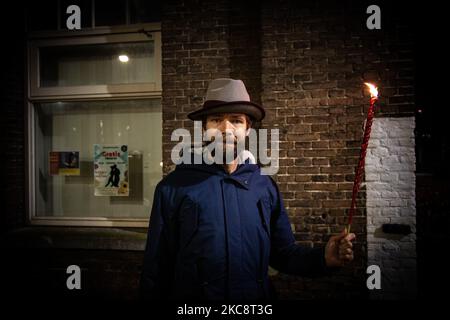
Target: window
[
  {"x": 82, "y": 65},
  {"x": 103, "y": 66},
  {"x": 51, "y": 15},
  {"x": 95, "y": 128}
]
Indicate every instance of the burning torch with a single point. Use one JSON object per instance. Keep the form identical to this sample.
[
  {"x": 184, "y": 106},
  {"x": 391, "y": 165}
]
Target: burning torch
[{"x": 362, "y": 156}]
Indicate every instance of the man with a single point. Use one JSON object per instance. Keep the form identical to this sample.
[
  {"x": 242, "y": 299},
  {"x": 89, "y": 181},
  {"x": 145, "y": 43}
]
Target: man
[{"x": 215, "y": 228}]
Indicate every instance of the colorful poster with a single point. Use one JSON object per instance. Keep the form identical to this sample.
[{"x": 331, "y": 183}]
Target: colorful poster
[
  {"x": 64, "y": 163},
  {"x": 111, "y": 170}
]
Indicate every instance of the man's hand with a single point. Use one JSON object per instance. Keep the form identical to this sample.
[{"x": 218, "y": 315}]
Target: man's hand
[{"x": 338, "y": 250}]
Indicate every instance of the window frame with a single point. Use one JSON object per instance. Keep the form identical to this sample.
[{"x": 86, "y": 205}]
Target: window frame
[
  {"x": 119, "y": 92},
  {"x": 103, "y": 36}
]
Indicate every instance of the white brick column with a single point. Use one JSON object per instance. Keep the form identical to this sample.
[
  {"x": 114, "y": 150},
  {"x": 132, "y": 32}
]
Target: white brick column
[{"x": 390, "y": 183}]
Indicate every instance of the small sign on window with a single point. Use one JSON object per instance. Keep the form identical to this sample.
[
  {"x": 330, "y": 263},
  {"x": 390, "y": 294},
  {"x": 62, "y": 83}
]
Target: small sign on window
[
  {"x": 64, "y": 163},
  {"x": 111, "y": 170}
]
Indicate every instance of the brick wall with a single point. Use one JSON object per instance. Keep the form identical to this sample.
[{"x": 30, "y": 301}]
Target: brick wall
[
  {"x": 391, "y": 184},
  {"x": 313, "y": 58},
  {"x": 245, "y": 45},
  {"x": 40, "y": 274},
  {"x": 12, "y": 169},
  {"x": 194, "y": 51}
]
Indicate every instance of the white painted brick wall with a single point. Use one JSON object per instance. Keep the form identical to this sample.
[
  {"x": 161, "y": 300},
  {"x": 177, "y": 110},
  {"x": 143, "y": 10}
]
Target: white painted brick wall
[{"x": 390, "y": 184}]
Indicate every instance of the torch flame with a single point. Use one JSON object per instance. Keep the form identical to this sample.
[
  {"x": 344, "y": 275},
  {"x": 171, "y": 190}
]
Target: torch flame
[{"x": 373, "y": 90}]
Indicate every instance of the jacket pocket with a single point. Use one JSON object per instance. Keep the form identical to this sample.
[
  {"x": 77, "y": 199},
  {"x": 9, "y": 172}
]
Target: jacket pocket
[
  {"x": 264, "y": 214},
  {"x": 188, "y": 223}
]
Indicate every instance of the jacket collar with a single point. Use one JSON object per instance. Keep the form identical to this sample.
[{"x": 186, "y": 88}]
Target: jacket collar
[{"x": 242, "y": 175}]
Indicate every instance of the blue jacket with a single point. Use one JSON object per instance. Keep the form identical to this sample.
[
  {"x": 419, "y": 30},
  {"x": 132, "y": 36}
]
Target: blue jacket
[{"x": 213, "y": 235}]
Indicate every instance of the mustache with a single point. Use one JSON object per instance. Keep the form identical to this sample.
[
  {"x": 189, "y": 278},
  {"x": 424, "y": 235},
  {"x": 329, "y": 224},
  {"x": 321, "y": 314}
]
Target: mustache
[{"x": 226, "y": 138}]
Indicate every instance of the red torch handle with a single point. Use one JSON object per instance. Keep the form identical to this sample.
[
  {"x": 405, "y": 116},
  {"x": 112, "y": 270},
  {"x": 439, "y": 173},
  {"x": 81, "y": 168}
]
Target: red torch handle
[{"x": 362, "y": 157}]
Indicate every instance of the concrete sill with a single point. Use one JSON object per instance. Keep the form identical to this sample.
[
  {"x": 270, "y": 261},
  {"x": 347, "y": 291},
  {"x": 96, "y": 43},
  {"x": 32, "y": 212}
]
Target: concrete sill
[{"x": 75, "y": 238}]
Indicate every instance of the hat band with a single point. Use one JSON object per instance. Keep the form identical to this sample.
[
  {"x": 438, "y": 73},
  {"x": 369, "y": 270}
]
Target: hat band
[{"x": 213, "y": 103}]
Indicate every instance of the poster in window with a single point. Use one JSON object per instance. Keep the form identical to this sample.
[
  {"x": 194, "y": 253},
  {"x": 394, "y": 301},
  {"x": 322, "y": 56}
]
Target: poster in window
[
  {"x": 64, "y": 163},
  {"x": 111, "y": 170}
]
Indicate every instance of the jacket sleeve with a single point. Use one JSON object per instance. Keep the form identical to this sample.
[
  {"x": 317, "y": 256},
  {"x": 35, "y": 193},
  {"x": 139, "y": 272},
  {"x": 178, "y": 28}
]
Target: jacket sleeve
[
  {"x": 286, "y": 256},
  {"x": 156, "y": 277}
]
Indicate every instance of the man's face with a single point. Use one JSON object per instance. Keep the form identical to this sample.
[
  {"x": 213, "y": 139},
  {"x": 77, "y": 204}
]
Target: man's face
[{"x": 232, "y": 126}]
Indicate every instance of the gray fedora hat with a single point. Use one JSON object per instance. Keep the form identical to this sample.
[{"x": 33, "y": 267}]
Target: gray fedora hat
[{"x": 226, "y": 95}]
